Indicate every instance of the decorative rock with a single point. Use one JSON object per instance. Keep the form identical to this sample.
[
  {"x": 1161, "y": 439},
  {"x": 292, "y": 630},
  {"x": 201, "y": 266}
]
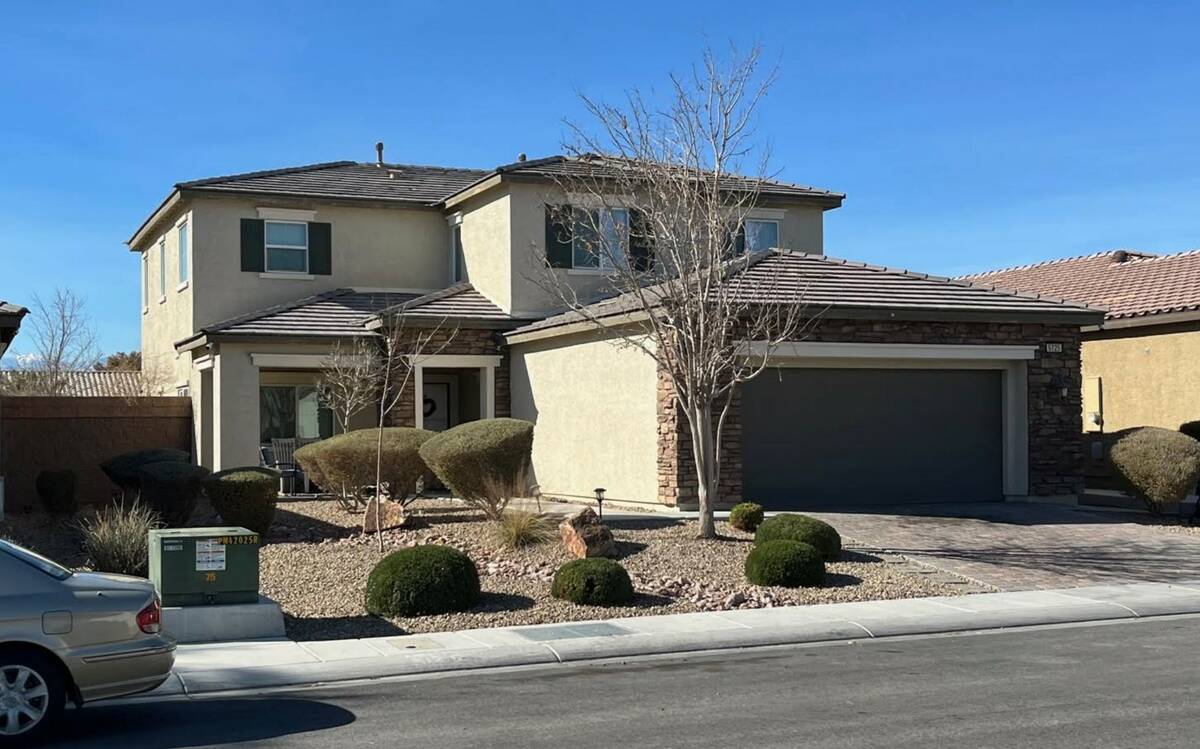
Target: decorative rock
[
  {"x": 391, "y": 515},
  {"x": 585, "y": 536},
  {"x": 735, "y": 599}
]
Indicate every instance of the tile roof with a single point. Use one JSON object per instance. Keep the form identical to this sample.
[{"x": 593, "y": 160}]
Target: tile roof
[
  {"x": 75, "y": 383},
  {"x": 587, "y": 165},
  {"x": 347, "y": 180},
  {"x": 1127, "y": 283},
  {"x": 832, "y": 284},
  {"x": 336, "y": 314},
  {"x": 458, "y": 302},
  {"x": 11, "y": 310}
]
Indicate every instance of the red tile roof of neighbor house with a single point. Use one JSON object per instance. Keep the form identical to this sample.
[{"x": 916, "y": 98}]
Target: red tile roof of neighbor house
[
  {"x": 1127, "y": 283},
  {"x": 89, "y": 383}
]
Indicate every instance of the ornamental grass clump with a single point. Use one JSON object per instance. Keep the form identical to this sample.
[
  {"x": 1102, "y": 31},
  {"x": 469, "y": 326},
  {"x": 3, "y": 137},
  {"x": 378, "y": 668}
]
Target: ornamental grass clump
[
  {"x": 518, "y": 528},
  {"x": 117, "y": 538},
  {"x": 1159, "y": 466},
  {"x": 787, "y": 564},
  {"x": 593, "y": 582},
  {"x": 422, "y": 580},
  {"x": 795, "y": 527},
  {"x": 746, "y": 516}
]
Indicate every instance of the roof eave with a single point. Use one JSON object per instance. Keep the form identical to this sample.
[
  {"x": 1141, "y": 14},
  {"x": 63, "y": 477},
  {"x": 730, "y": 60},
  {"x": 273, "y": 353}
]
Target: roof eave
[
  {"x": 1148, "y": 320},
  {"x": 164, "y": 208}
]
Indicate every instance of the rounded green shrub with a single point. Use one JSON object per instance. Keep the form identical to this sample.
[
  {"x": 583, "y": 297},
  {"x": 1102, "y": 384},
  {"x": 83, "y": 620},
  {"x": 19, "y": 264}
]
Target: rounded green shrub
[
  {"x": 308, "y": 458},
  {"x": 244, "y": 497},
  {"x": 788, "y": 564},
  {"x": 422, "y": 580},
  {"x": 746, "y": 516},
  {"x": 172, "y": 490},
  {"x": 349, "y": 459},
  {"x": 594, "y": 582},
  {"x": 56, "y": 490},
  {"x": 795, "y": 527},
  {"x": 124, "y": 470},
  {"x": 1159, "y": 466},
  {"x": 471, "y": 458}
]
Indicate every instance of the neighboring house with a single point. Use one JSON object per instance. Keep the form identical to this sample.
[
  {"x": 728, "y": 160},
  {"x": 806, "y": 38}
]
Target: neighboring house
[
  {"x": 1139, "y": 364},
  {"x": 911, "y": 387},
  {"x": 10, "y": 323},
  {"x": 73, "y": 383}
]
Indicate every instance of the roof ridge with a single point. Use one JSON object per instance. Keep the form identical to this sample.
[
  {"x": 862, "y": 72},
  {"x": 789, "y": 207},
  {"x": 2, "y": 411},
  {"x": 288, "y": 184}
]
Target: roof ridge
[
  {"x": 1145, "y": 258},
  {"x": 391, "y": 165},
  {"x": 1045, "y": 263},
  {"x": 263, "y": 173}
]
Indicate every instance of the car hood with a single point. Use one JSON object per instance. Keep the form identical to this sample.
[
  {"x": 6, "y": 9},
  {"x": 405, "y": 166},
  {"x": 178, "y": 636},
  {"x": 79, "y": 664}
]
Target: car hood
[{"x": 108, "y": 581}]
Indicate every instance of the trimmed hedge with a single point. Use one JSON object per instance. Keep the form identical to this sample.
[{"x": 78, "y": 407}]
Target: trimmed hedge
[
  {"x": 124, "y": 470},
  {"x": 471, "y": 456},
  {"x": 593, "y": 582},
  {"x": 795, "y": 527},
  {"x": 1159, "y": 466},
  {"x": 349, "y": 459},
  {"x": 746, "y": 516},
  {"x": 245, "y": 497},
  {"x": 172, "y": 490},
  {"x": 422, "y": 580},
  {"x": 788, "y": 564},
  {"x": 56, "y": 490},
  {"x": 308, "y": 458}
]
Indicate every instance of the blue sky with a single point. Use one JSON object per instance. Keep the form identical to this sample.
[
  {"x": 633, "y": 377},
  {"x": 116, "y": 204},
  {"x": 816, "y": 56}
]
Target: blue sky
[{"x": 966, "y": 135}]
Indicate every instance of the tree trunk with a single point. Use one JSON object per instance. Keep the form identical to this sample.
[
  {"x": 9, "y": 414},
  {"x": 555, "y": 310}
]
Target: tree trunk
[{"x": 704, "y": 454}]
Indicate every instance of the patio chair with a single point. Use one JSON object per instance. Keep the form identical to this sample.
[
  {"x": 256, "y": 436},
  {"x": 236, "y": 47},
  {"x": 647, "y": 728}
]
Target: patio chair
[{"x": 287, "y": 468}]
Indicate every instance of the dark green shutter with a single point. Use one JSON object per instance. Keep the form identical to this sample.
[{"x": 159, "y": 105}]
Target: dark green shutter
[
  {"x": 252, "y": 245},
  {"x": 558, "y": 236},
  {"x": 641, "y": 241},
  {"x": 320, "y": 249}
]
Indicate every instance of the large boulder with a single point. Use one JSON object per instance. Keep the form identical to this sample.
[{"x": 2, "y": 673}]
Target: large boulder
[
  {"x": 391, "y": 515},
  {"x": 585, "y": 536}
]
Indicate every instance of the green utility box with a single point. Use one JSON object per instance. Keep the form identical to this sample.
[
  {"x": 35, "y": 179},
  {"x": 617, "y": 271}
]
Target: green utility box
[{"x": 204, "y": 566}]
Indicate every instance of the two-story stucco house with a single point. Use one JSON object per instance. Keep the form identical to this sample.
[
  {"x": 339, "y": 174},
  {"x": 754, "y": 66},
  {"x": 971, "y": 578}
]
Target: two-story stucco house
[{"x": 910, "y": 387}]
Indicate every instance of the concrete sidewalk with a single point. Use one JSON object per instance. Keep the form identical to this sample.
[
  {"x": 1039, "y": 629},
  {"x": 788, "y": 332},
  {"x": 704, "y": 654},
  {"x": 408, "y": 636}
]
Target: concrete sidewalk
[{"x": 265, "y": 664}]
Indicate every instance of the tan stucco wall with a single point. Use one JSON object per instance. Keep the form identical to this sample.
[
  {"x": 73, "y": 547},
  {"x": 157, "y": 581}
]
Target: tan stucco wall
[
  {"x": 487, "y": 246},
  {"x": 1146, "y": 379},
  {"x": 388, "y": 248},
  {"x": 595, "y": 406},
  {"x": 166, "y": 318}
]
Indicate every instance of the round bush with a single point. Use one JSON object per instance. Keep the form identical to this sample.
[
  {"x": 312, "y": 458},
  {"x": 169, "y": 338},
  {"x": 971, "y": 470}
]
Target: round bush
[
  {"x": 244, "y": 497},
  {"x": 56, "y": 490},
  {"x": 471, "y": 456},
  {"x": 124, "y": 470},
  {"x": 746, "y": 516},
  {"x": 794, "y": 527},
  {"x": 422, "y": 580},
  {"x": 172, "y": 490},
  {"x": 594, "y": 582},
  {"x": 1160, "y": 466},
  {"x": 349, "y": 459},
  {"x": 308, "y": 458},
  {"x": 788, "y": 564}
]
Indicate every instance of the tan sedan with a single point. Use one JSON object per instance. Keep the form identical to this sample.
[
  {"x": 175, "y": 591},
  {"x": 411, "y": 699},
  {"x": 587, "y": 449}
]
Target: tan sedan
[{"x": 81, "y": 636}]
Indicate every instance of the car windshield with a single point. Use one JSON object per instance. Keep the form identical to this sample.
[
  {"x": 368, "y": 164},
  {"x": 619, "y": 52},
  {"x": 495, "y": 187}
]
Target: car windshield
[{"x": 37, "y": 561}]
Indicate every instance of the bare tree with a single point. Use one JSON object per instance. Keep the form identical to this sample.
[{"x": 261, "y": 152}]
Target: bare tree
[
  {"x": 350, "y": 379},
  {"x": 61, "y": 340},
  {"x": 659, "y": 200}
]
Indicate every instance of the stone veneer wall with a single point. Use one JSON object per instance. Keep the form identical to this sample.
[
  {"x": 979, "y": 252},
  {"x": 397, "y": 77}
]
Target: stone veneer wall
[
  {"x": 466, "y": 341},
  {"x": 1054, "y": 384}
]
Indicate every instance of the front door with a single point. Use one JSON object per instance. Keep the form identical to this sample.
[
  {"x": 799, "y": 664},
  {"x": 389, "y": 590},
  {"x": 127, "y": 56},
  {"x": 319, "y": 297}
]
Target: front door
[{"x": 437, "y": 406}]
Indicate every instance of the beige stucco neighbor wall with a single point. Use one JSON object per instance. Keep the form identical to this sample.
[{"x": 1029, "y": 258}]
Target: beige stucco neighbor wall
[
  {"x": 1146, "y": 379},
  {"x": 595, "y": 409}
]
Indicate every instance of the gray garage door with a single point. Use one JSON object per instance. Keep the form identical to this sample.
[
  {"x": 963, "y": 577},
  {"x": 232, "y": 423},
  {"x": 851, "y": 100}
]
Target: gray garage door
[{"x": 857, "y": 438}]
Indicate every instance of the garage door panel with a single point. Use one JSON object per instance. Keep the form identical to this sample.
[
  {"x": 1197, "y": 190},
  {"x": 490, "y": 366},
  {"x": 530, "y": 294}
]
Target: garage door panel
[{"x": 838, "y": 438}]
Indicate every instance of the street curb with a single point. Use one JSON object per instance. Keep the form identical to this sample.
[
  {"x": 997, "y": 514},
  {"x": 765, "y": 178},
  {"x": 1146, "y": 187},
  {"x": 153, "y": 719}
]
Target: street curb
[{"x": 206, "y": 669}]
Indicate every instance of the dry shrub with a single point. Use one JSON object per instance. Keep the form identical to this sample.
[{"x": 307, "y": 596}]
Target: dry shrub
[
  {"x": 518, "y": 528},
  {"x": 117, "y": 538}
]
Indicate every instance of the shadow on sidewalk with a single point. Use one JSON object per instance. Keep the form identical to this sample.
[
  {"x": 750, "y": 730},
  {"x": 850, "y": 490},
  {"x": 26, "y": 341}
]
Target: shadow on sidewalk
[{"x": 188, "y": 723}]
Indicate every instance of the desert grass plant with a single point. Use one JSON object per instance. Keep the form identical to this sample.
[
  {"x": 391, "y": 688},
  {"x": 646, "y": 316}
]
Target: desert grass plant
[
  {"x": 518, "y": 528},
  {"x": 116, "y": 539}
]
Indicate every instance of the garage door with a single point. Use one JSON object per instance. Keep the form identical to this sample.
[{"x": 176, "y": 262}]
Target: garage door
[{"x": 861, "y": 438}]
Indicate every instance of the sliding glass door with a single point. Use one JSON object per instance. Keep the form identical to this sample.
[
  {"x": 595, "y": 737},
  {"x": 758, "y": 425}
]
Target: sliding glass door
[{"x": 292, "y": 412}]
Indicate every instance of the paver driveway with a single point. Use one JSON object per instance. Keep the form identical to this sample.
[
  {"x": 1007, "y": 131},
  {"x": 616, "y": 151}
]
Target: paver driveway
[{"x": 1022, "y": 546}]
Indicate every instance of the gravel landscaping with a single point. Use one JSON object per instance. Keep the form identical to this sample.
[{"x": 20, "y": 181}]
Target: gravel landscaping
[{"x": 316, "y": 561}]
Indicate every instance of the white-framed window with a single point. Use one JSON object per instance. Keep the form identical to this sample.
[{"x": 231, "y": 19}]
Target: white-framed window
[
  {"x": 458, "y": 262},
  {"x": 286, "y": 246},
  {"x": 600, "y": 238},
  {"x": 162, "y": 269},
  {"x": 293, "y": 412},
  {"x": 145, "y": 280},
  {"x": 761, "y": 234},
  {"x": 184, "y": 250}
]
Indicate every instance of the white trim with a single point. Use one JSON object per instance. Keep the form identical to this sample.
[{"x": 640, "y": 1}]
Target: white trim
[
  {"x": 286, "y": 214},
  {"x": 467, "y": 361},
  {"x": 757, "y": 214},
  {"x": 280, "y": 275},
  {"x": 455, "y": 219},
  {"x": 203, "y": 363},
  {"x": 823, "y": 350},
  {"x": 182, "y": 286},
  {"x": 485, "y": 363}
]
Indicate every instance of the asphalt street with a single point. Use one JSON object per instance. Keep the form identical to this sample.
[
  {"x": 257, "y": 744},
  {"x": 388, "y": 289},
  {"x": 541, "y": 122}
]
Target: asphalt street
[{"x": 1130, "y": 684}]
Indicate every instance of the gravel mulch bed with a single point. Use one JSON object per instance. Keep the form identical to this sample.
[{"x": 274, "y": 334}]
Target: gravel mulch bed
[{"x": 317, "y": 562}]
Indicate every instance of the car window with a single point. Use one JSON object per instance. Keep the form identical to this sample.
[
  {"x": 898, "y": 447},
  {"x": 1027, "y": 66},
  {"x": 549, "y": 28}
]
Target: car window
[{"x": 37, "y": 561}]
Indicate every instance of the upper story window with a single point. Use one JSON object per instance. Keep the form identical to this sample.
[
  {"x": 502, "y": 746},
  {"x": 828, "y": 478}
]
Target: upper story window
[
  {"x": 162, "y": 269},
  {"x": 458, "y": 271},
  {"x": 146, "y": 280},
  {"x": 184, "y": 249},
  {"x": 761, "y": 234},
  {"x": 286, "y": 246},
  {"x": 597, "y": 238}
]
